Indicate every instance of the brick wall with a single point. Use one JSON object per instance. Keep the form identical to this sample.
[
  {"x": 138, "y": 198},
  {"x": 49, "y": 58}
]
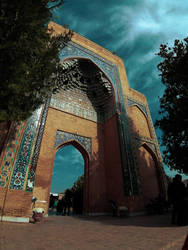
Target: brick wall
[{"x": 15, "y": 203}]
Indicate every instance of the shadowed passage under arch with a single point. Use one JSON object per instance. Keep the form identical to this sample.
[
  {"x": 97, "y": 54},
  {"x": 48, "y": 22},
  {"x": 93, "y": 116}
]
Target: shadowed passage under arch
[{"x": 68, "y": 166}]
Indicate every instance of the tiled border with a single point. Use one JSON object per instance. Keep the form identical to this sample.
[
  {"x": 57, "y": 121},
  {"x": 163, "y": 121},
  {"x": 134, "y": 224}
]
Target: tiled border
[{"x": 62, "y": 137}]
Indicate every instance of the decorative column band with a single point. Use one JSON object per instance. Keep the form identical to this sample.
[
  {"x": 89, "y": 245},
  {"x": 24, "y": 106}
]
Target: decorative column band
[
  {"x": 32, "y": 170},
  {"x": 128, "y": 165},
  {"x": 24, "y": 153}
]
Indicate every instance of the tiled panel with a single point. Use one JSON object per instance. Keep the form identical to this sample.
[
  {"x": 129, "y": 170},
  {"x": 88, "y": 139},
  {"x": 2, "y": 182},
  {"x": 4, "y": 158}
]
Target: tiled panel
[{"x": 78, "y": 103}]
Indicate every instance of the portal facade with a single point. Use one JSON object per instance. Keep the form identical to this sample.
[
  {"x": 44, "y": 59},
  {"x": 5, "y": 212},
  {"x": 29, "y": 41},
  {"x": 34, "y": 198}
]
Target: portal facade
[{"x": 108, "y": 122}]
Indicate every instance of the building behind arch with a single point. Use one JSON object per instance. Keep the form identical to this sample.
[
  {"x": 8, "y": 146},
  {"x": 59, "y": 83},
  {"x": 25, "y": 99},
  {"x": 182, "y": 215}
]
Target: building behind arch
[{"x": 107, "y": 121}]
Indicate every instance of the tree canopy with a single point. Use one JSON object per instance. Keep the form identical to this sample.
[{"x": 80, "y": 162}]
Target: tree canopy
[
  {"x": 29, "y": 56},
  {"x": 174, "y": 104}
]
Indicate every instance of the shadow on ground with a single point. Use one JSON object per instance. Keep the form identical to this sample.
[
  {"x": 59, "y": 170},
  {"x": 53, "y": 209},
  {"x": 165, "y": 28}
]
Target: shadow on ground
[{"x": 141, "y": 221}]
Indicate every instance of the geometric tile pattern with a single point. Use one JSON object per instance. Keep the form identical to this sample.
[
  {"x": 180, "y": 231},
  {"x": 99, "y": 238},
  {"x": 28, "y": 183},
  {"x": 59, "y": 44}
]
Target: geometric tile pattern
[
  {"x": 62, "y": 137},
  {"x": 10, "y": 153},
  {"x": 24, "y": 153}
]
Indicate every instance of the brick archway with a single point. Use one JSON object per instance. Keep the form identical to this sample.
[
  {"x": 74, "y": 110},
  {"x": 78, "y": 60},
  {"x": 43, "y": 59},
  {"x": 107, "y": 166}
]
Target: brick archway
[{"x": 86, "y": 157}]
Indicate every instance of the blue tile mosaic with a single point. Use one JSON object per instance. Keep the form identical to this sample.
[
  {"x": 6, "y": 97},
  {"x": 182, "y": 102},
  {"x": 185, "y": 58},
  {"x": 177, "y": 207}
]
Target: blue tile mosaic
[
  {"x": 62, "y": 137},
  {"x": 34, "y": 160},
  {"x": 22, "y": 161}
]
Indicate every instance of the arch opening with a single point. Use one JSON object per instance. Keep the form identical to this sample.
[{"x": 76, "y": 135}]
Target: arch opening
[{"x": 67, "y": 185}]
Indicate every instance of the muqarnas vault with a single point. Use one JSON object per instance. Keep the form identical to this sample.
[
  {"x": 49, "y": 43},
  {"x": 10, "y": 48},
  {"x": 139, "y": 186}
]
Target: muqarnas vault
[{"x": 107, "y": 121}]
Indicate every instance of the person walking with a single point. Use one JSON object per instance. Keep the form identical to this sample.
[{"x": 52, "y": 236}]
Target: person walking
[
  {"x": 68, "y": 200},
  {"x": 177, "y": 194}
]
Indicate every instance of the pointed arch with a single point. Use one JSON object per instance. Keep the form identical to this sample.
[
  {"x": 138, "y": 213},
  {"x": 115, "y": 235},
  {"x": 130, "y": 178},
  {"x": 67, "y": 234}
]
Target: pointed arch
[
  {"x": 148, "y": 168},
  {"x": 96, "y": 65},
  {"x": 150, "y": 150},
  {"x": 86, "y": 91},
  {"x": 77, "y": 145},
  {"x": 139, "y": 120}
]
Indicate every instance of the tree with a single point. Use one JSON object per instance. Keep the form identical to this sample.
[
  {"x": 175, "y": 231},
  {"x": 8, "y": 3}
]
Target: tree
[
  {"x": 174, "y": 104},
  {"x": 77, "y": 195},
  {"x": 29, "y": 56},
  {"x": 78, "y": 184}
]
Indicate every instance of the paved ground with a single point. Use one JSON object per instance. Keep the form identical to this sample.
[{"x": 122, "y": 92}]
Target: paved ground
[{"x": 89, "y": 233}]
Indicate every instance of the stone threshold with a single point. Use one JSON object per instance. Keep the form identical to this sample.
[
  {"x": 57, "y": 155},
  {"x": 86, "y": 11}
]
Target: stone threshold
[{"x": 15, "y": 219}]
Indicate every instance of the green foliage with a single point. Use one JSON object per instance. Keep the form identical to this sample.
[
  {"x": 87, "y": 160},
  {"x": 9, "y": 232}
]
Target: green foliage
[
  {"x": 78, "y": 185},
  {"x": 29, "y": 61},
  {"x": 174, "y": 104}
]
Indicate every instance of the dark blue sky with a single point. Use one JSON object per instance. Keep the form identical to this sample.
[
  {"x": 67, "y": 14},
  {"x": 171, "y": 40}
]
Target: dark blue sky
[{"x": 134, "y": 30}]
